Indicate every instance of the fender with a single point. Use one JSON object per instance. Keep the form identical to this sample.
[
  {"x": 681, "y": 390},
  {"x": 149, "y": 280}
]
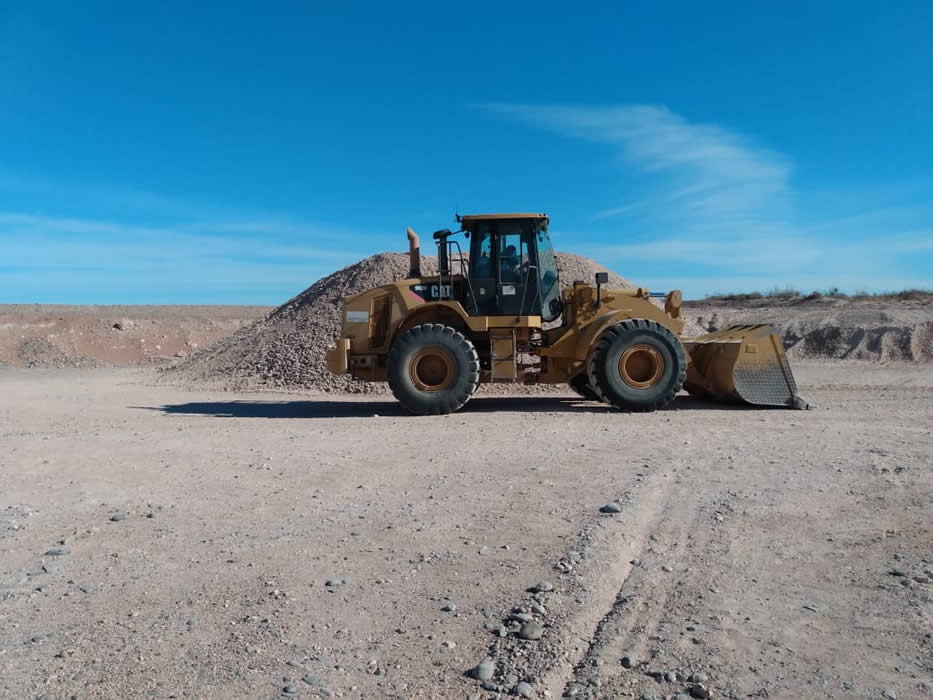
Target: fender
[{"x": 590, "y": 334}]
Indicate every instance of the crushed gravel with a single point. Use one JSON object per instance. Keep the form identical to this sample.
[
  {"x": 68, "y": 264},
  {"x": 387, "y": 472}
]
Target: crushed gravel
[{"x": 285, "y": 349}]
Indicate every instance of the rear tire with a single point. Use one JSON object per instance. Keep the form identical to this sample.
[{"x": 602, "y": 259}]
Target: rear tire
[
  {"x": 637, "y": 365},
  {"x": 433, "y": 369},
  {"x": 581, "y": 385}
]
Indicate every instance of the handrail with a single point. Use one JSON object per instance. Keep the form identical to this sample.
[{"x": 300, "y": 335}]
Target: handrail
[
  {"x": 521, "y": 306},
  {"x": 463, "y": 271}
]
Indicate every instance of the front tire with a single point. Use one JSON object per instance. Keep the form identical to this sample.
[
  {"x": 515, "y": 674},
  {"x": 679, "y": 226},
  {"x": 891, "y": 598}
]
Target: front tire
[
  {"x": 433, "y": 369},
  {"x": 637, "y": 365}
]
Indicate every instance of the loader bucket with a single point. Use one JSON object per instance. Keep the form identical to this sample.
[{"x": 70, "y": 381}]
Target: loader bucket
[{"x": 742, "y": 364}]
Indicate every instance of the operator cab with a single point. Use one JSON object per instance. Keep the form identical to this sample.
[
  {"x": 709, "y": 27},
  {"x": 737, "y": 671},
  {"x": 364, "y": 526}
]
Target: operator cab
[{"x": 512, "y": 270}]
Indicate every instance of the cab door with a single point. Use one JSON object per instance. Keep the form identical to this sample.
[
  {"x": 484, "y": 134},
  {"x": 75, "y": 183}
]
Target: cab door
[
  {"x": 516, "y": 274},
  {"x": 483, "y": 285}
]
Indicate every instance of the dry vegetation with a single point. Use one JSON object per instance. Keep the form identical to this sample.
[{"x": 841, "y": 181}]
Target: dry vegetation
[{"x": 789, "y": 293}]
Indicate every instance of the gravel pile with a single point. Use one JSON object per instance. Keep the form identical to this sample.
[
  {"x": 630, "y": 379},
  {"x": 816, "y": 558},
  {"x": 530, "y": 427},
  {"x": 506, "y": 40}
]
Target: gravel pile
[
  {"x": 41, "y": 352},
  {"x": 285, "y": 349}
]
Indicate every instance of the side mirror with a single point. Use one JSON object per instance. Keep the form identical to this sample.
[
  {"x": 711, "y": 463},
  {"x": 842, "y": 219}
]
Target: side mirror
[{"x": 601, "y": 279}]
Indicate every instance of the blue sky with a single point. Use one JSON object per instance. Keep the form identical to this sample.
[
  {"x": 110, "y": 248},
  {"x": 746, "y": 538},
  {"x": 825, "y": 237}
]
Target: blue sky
[{"x": 235, "y": 152}]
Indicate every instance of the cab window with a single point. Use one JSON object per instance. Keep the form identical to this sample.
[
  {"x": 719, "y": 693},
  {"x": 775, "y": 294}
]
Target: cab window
[
  {"x": 482, "y": 265},
  {"x": 510, "y": 260}
]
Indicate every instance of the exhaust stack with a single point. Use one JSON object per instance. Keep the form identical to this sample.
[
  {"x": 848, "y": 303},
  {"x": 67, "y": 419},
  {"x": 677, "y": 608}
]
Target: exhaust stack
[{"x": 414, "y": 254}]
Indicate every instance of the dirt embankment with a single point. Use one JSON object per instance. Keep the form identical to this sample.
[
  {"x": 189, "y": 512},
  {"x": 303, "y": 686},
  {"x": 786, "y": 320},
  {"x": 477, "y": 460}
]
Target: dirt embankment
[
  {"x": 51, "y": 335},
  {"x": 240, "y": 347},
  {"x": 867, "y": 328}
]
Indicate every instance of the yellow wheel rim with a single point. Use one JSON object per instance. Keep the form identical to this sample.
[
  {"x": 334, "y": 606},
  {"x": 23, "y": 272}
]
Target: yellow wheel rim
[
  {"x": 641, "y": 366},
  {"x": 432, "y": 369}
]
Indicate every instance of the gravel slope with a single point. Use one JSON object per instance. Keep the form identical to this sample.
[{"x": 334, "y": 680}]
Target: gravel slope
[{"x": 285, "y": 349}]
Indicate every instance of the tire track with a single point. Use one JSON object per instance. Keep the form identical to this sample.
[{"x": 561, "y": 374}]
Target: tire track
[
  {"x": 612, "y": 557},
  {"x": 637, "y": 621}
]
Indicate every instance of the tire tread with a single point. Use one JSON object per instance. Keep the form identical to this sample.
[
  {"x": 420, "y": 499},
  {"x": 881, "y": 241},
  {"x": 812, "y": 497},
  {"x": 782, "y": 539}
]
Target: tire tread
[
  {"x": 596, "y": 362},
  {"x": 415, "y": 337}
]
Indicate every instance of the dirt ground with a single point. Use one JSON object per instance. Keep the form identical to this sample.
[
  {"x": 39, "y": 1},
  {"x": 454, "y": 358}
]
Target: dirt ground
[{"x": 156, "y": 542}]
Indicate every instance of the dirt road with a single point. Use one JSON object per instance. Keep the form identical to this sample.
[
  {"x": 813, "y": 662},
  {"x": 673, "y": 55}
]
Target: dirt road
[{"x": 162, "y": 543}]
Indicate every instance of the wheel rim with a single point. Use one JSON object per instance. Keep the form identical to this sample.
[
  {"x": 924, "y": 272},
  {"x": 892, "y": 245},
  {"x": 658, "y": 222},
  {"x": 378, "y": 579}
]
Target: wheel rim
[
  {"x": 432, "y": 369},
  {"x": 641, "y": 366}
]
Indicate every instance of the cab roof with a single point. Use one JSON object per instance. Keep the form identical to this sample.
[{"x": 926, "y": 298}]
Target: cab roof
[{"x": 467, "y": 219}]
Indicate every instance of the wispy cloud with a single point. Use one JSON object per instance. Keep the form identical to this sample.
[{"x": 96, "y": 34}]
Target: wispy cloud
[
  {"x": 86, "y": 242},
  {"x": 713, "y": 201},
  {"x": 55, "y": 259},
  {"x": 713, "y": 175}
]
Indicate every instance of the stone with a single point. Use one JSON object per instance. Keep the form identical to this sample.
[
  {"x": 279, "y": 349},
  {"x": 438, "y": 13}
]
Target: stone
[
  {"x": 698, "y": 690},
  {"x": 523, "y": 689},
  {"x": 58, "y": 552},
  {"x": 290, "y": 690},
  {"x": 612, "y": 507},
  {"x": 490, "y": 685},
  {"x": 449, "y": 607},
  {"x": 485, "y": 670},
  {"x": 670, "y": 676},
  {"x": 333, "y": 582},
  {"x": 521, "y": 617},
  {"x": 627, "y": 662},
  {"x": 698, "y": 677},
  {"x": 117, "y": 517},
  {"x": 897, "y": 572},
  {"x": 889, "y": 694},
  {"x": 531, "y": 631},
  {"x": 544, "y": 587}
]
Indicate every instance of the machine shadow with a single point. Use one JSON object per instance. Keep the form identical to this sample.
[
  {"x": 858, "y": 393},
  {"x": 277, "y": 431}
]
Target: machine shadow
[{"x": 325, "y": 408}]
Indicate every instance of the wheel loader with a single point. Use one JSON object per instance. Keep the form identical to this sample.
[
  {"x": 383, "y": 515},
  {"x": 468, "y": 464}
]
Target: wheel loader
[{"x": 496, "y": 313}]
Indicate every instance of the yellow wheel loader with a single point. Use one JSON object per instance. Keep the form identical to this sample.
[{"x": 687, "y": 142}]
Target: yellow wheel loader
[{"x": 496, "y": 313}]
